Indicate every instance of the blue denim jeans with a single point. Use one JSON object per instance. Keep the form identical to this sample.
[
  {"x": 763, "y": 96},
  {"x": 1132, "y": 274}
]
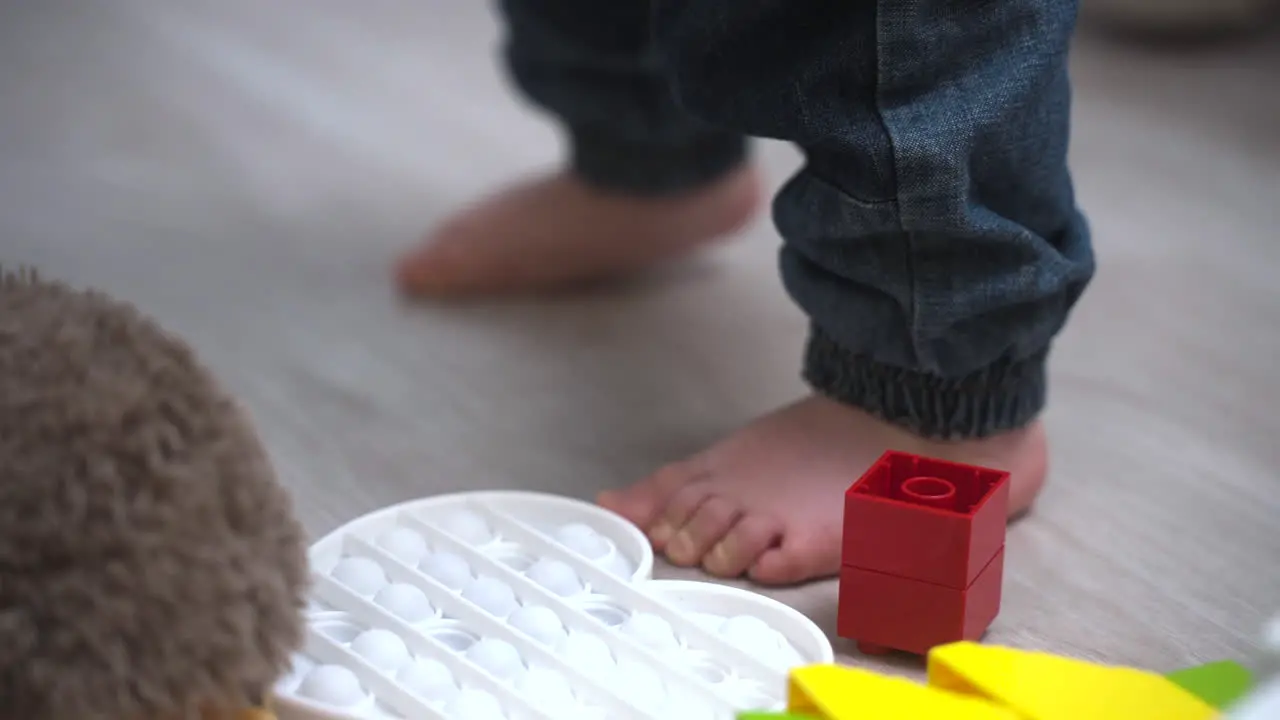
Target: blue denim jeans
[{"x": 932, "y": 236}]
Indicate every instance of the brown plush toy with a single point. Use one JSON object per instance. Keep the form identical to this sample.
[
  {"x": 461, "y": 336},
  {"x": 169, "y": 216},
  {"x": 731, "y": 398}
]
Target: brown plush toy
[{"x": 150, "y": 565}]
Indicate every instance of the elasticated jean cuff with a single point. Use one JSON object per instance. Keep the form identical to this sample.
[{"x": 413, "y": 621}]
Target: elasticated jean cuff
[
  {"x": 647, "y": 168},
  {"x": 1002, "y": 397}
]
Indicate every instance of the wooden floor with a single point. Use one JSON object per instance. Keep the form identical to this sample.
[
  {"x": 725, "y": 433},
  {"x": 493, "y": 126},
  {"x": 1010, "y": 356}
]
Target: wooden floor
[{"x": 246, "y": 170}]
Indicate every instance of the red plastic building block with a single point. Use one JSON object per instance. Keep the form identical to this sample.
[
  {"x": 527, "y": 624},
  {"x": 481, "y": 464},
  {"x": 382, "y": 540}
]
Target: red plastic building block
[
  {"x": 892, "y": 612},
  {"x": 922, "y": 554},
  {"x": 929, "y": 520}
]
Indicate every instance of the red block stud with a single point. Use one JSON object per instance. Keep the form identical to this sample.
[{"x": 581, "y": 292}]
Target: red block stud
[
  {"x": 924, "y": 519},
  {"x": 922, "y": 552}
]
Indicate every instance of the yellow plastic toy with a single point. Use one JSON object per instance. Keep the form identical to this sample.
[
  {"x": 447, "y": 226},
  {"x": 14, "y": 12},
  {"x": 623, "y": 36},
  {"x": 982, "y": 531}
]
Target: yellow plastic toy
[
  {"x": 1040, "y": 686},
  {"x": 832, "y": 692},
  {"x": 968, "y": 681}
]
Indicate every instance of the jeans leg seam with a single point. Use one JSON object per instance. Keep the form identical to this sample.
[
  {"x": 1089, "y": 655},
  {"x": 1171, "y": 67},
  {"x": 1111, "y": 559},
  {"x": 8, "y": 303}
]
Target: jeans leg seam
[{"x": 913, "y": 290}]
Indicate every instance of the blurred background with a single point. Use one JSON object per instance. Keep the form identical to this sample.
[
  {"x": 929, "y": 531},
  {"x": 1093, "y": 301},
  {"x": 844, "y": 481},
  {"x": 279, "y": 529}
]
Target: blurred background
[{"x": 246, "y": 171}]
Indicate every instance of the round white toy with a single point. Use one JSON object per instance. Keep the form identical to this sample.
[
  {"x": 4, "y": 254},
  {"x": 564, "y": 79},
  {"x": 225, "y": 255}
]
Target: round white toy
[{"x": 524, "y": 606}]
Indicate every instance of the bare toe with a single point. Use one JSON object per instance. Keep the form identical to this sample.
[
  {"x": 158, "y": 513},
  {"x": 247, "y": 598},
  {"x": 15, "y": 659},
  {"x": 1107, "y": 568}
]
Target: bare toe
[
  {"x": 679, "y": 509},
  {"x": 708, "y": 524},
  {"x": 803, "y": 555},
  {"x": 742, "y": 545},
  {"x": 644, "y": 502}
]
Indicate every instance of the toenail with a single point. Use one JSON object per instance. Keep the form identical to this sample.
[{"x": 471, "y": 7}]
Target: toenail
[
  {"x": 720, "y": 553},
  {"x": 718, "y": 559},
  {"x": 681, "y": 546},
  {"x": 660, "y": 533}
]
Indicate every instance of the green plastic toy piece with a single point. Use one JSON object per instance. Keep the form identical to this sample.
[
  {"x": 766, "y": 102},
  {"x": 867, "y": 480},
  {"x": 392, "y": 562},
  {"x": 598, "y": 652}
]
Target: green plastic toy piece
[
  {"x": 772, "y": 716},
  {"x": 1220, "y": 684}
]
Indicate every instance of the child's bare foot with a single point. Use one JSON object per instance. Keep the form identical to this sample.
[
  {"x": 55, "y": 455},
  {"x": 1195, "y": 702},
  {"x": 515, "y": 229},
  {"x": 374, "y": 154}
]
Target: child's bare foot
[
  {"x": 768, "y": 500},
  {"x": 558, "y": 231}
]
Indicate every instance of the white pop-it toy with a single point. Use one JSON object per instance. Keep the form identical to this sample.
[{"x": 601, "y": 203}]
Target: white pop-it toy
[{"x": 523, "y": 606}]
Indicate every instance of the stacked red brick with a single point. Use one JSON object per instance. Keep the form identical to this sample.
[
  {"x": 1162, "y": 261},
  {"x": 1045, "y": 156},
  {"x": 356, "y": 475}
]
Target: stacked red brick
[{"x": 923, "y": 554}]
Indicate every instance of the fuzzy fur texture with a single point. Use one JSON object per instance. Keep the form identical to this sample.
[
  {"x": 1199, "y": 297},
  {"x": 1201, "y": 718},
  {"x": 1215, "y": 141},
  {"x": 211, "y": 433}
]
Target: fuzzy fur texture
[{"x": 150, "y": 565}]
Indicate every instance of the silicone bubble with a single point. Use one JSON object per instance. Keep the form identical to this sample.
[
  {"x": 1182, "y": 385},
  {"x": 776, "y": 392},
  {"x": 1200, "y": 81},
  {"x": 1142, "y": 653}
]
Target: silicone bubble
[
  {"x": 539, "y": 623},
  {"x": 494, "y": 596},
  {"x": 406, "y": 602},
  {"x": 447, "y": 569},
  {"x": 547, "y": 690},
  {"x": 332, "y": 685},
  {"x": 619, "y": 566},
  {"x": 498, "y": 657},
  {"x": 651, "y": 631},
  {"x": 383, "y": 649},
  {"x": 407, "y": 545},
  {"x": 362, "y": 575},
  {"x": 584, "y": 540},
  {"x": 467, "y": 526},
  {"x": 588, "y": 654},
  {"x": 471, "y": 704},
  {"x": 430, "y": 679},
  {"x": 556, "y": 576},
  {"x": 640, "y": 684}
]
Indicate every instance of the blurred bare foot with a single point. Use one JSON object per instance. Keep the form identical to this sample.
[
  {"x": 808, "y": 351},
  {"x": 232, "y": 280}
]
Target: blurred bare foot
[{"x": 558, "y": 231}]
